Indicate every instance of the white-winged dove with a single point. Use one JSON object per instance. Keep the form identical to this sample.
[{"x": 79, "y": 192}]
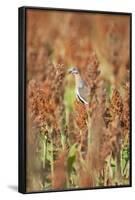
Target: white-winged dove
[{"x": 82, "y": 90}]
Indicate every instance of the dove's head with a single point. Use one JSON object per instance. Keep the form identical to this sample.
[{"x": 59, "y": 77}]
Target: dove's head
[{"x": 73, "y": 70}]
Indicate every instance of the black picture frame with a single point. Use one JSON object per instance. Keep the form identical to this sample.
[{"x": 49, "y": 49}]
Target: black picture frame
[{"x": 22, "y": 77}]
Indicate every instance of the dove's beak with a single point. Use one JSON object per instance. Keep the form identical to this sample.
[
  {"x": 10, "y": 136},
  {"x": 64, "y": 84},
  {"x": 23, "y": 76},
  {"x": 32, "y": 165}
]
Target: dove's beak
[{"x": 70, "y": 71}]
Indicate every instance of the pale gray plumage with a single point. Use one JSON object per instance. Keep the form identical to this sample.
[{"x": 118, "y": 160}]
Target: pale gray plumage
[{"x": 82, "y": 90}]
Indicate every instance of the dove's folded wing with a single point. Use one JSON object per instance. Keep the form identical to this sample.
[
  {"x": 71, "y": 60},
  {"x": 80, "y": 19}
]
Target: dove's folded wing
[{"x": 83, "y": 94}]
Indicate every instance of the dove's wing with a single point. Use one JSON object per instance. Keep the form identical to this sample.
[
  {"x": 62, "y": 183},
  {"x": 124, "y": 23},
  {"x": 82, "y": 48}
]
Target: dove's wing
[{"x": 83, "y": 94}]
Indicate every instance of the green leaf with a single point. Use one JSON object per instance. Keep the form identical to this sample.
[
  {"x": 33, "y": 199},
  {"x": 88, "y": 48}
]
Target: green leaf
[
  {"x": 72, "y": 157},
  {"x": 71, "y": 161},
  {"x": 69, "y": 98},
  {"x": 72, "y": 150}
]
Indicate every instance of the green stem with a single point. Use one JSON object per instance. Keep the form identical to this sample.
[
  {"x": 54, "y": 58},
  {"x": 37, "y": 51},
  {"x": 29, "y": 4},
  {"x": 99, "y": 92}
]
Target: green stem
[
  {"x": 44, "y": 152},
  {"x": 52, "y": 159},
  {"x": 89, "y": 130},
  {"x": 124, "y": 169},
  {"x": 63, "y": 140}
]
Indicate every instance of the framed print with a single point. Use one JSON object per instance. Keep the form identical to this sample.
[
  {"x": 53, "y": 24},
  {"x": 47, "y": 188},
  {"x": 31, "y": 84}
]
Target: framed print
[{"x": 74, "y": 99}]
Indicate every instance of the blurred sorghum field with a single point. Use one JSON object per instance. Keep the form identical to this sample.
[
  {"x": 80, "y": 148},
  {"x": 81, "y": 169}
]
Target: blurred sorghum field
[{"x": 69, "y": 146}]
